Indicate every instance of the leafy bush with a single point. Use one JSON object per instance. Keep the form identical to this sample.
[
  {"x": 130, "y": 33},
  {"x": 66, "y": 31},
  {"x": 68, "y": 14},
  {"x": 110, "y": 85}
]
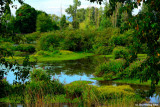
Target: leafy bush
[
  {"x": 44, "y": 23},
  {"x": 7, "y": 45},
  {"x": 101, "y": 43},
  {"x": 32, "y": 37},
  {"x": 112, "y": 92},
  {"x": 39, "y": 75},
  {"x": 77, "y": 40},
  {"x": 25, "y": 48},
  {"x": 110, "y": 70},
  {"x": 49, "y": 40},
  {"x": 75, "y": 89},
  {"x": 120, "y": 52},
  {"x": 103, "y": 50},
  {"x": 118, "y": 40},
  {"x": 5, "y": 89},
  {"x": 133, "y": 70},
  {"x": 41, "y": 85}
]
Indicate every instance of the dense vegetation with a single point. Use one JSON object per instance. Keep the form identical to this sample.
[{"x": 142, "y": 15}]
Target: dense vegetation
[{"x": 34, "y": 35}]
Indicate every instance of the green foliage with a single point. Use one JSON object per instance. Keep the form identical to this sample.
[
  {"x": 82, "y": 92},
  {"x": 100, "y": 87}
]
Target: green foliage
[
  {"x": 118, "y": 40},
  {"x": 101, "y": 43},
  {"x": 133, "y": 70},
  {"x": 111, "y": 69},
  {"x": 5, "y": 89},
  {"x": 41, "y": 85},
  {"x": 120, "y": 52},
  {"x": 26, "y": 19},
  {"x": 63, "y": 23},
  {"x": 30, "y": 38},
  {"x": 105, "y": 22},
  {"x": 25, "y": 48},
  {"x": 112, "y": 92},
  {"x": 39, "y": 75},
  {"x": 44, "y": 23},
  {"x": 75, "y": 89},
  {"x": 75, "y": 24},
  {"x": 103, "y": 50},
  {"x": 49, "y": 40}
]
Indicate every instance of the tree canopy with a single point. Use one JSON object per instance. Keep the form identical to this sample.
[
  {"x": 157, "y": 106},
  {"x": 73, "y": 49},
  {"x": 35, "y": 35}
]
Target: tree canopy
[{"x": 26, "y": 19}]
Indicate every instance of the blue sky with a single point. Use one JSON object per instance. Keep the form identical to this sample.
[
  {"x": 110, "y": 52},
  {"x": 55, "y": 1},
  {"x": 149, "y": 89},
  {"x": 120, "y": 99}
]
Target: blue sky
[{"x": 53, "y": 6}]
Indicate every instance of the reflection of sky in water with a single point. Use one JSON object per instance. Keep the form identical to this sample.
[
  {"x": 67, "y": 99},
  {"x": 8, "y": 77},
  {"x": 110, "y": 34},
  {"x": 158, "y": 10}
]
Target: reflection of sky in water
[
  {"x": 68, "y": 79},
  {"x": 155, "y": 99}
]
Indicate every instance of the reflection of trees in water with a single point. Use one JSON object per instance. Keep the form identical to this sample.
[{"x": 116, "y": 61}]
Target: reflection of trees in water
[{"x": 76, "y": 67}]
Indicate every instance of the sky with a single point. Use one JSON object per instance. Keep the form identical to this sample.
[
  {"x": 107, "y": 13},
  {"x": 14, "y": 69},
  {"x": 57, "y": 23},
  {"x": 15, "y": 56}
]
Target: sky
[{"x": 54, "y": 6}]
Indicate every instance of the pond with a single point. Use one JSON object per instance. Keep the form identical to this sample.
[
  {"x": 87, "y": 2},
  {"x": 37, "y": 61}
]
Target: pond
[{"x": 81, "y": 69}]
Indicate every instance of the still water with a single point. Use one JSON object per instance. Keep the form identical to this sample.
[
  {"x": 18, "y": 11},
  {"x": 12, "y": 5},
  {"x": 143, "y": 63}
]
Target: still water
[{"x": 81, "y": 69}]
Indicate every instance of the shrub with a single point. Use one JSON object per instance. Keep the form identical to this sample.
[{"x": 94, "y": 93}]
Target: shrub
[
  {"x": 44, "y": 23},
  {"x": 77, "y": 40},
  {"x": 5, "y": 89},
  {"x": 118, "y": 40},
  {"x": 75, "y": 89},
  {"x": 133, "y": 70},
  {"x": 103, "y": 50},
  {"x": 112, "y": 92},
  {"x": 25, "y": 48},
  {"x": 120, "y": 52},
  {"x": 39, "y": 75},
  {"x": 101, "y": 44},
  {"x": 110, "y": 69},
  {"x": 29, "y": 38},
  {"x": 41, "y": 85},
  {"x": 49, "y": 40}
]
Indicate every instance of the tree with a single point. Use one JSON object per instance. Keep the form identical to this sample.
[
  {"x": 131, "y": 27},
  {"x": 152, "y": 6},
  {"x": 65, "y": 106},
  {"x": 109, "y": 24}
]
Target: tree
[
  {"x": 26, "y": 19},
  {"x": 44, "y": 23},
  {"x": 72, "y": 10},
  {"x": 147, "y": 31},
  {"x": 63, "y": 23},
  {"x": 81, "y": 14}
]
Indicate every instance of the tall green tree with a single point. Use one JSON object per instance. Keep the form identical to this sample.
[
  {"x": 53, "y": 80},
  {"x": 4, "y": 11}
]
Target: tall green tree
[
  {"x": 26, "y": 19},
  {"x": 72, "y": 10},
  {"x": 63, "y": 22},
  {"x": 44, "y": 23}
]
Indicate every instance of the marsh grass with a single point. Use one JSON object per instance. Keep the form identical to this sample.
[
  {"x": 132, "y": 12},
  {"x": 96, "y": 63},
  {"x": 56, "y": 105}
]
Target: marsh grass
[{"x": 41, "y": 92}]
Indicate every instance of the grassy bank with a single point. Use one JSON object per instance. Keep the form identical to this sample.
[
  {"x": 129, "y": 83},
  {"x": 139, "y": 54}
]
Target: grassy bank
[
  {"x": 46, "y": 56},
  {"x": 78, "y": 92}
]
